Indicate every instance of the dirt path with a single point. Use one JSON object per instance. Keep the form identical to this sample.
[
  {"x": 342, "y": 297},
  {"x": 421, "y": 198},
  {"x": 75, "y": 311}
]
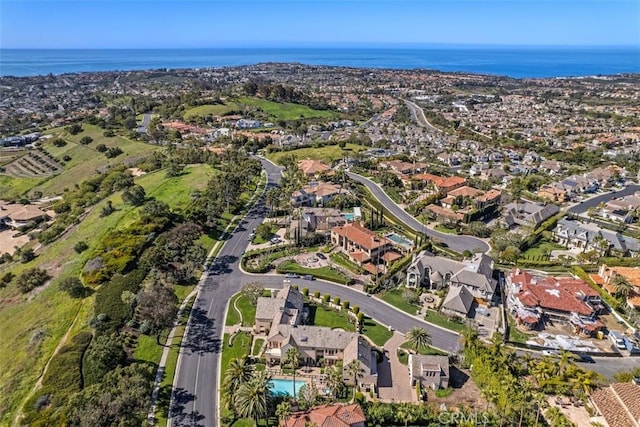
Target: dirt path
[{"x": 38, "y": 383}]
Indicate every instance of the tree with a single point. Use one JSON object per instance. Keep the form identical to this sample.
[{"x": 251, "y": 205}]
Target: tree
[
  {"x": 307, "y": 395},
  {"x": 27, "y": 255},
  {"x": 418, "y": 338},
  {"x": 74, "y": 129},
  {"x": 86, "y": 140},
  {"x": 510, "y": 255},
  {"x": 175, "y": 169},
  {"x": 292, "y": 360},
  {"x": 104, "y": 354},
  {"x": 101, "y": 148},
  {"x": 254, "y": 397},
  {"x": 283, "y": 410},
  {"x": 107, "y": 209},
  {"x": 354, "y": 371},
  {"x": 134, "y": 195},
  {"x": 31, "y": 278},
  {"x": 239, "y": 372},
  {"x": 121, "y": 398},
  {"x": 74, "y": 287},
  {"x": 263, "y": 231},
  {"x": 157, "y": 305},
  {"x": 406, "y": 413},
  {"x": 623, "y": 287},
  {"x": 80, "y": 247},
  {"x": 253, "y": 291},
  {"x": 335, "y": 381}
]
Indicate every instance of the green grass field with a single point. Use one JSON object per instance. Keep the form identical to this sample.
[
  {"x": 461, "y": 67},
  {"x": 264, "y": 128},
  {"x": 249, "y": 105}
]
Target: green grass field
[
  {"x": 176, "y": 192},
  {"x": 395, "y": 298},
  {"x": 211, "y": 110},
  {"x": 322, "y": 316},
  {"x": 325, "y": 273},
  {"x": 240, "y": 348},
  {"x": 85, "y": 160},
  {"x": 52, "y": 311},
  {"x": 376, "y": 332},
  {"x": 11, "y": 187},
  {"x": 541, "y": 250},
  {"x": 442, "y": 320},
  {"x": 327, "y": 154},
  {"x": 286, "y": 110}
]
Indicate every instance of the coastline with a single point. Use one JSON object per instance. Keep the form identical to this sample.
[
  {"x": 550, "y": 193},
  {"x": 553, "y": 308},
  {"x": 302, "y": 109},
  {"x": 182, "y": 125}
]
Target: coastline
[{"x": 504, "y": 61}]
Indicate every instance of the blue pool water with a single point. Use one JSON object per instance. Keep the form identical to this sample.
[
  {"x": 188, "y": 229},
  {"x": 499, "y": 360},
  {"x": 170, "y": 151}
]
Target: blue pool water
[
  {"x": 348, "y": 216},
  {"x": 400, "y": 240},
  {"x": 283, "y": 387}
]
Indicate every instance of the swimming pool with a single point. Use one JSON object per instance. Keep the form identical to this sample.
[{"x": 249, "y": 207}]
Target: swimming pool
[
  {"x": 400, "y": 240},
  {"x": 349, "y": 216},
  {"x": 283, "y": 387}
]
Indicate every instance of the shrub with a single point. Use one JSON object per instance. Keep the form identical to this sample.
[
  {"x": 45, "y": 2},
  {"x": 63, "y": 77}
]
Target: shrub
[
  {"x": 101, "y": 148},
  {"x": 108, "y": 133},
  {"x": 109, "y": 299},
  {"x": 74, "y": 287},
  {"x": 80, "y": 247},
  {"x": 326, "y": 298},
  {"x": 316, "y": 294},
  {"x": 336, "y": 301},
  {"x": 27, "y": 255},
  {"x": 305, "y": 292},
  {"x": 355, "y": 309},
  {"x": 359, "y": 397},
  {"x": 145, "y": 328},
  {"x": 6, "y": 278},
  {"x": 86, "y": 140},
  {"x": 31, "y": 278},
  {"x": 103, "y": 355},
  {"x": 59, "y": 142},
  {"x": 345, "y": 305},
  {"x": 66, "y": 157},
  {"x": 295, "y": 287},
  {"x": 360, "y": 317},
  {"x": 113, "y": 152}
]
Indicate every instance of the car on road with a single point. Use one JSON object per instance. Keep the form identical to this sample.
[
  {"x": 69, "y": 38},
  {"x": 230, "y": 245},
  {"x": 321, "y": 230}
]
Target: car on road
[
  {"x": 585, "y": 358},
  {"x": 275, "y": 240},
  {"x": 292, "y": 276},
  {"x": 308, "y": 277},
  {"x": 550, "y": 353},
  {"x": 321, "y": 256}
]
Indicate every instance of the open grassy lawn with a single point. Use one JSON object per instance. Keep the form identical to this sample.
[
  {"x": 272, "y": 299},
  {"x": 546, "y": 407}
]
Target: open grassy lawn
[
  {"x": 541, "y": 250},
  {"x": 442, "y": 320},
  {"x": 323, "y": 316},
  {"x": 51, "y": 311},
  {"x": 85, "y": 159},
  {"x": 376, "y": 332},
  {"x": 327, "y": 154},
  {"x": 286, "y": 110},
  {"x": 515, "y": 335},
  {"x": 246, "y": 307},
  {"x": 325, "y": 273},
  {"x": 257, "y": 345},
  {"x": 395, "y": 298},
  {"x": 444, "y": 229},
  {"x": 148, "y": 350},
  {"x": 342, "y": 260},
  {"x": 240, "y": 348},
  {"x": 211, "y": 110},
  {"x": 176, "y": 191},
  {"x": 11, "y": 187},
  {"x": 427, "y": 351}
]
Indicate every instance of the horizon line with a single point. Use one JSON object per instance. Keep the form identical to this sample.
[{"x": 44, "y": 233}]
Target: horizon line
[{"x": 336, "y": 45}]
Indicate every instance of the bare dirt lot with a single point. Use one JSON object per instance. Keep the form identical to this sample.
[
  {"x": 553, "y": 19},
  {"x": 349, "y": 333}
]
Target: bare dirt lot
[{"x": 8, "y": 242}]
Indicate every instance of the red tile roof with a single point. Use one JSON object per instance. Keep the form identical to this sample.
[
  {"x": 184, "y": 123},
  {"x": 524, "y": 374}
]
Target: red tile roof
[
  {"x": 619, "y": 404},
  {"x": 441, "y": 182},
  {"x": 328, "y": 416},
  {"x": 465, "y": 191},
  {"x": 554, "y": 297},
  {"x": 360, "y": 235},
  {"x": 312, "y": 167}
]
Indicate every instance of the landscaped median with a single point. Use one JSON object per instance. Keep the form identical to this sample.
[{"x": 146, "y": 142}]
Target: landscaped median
[{"x": 324, "y": 273}]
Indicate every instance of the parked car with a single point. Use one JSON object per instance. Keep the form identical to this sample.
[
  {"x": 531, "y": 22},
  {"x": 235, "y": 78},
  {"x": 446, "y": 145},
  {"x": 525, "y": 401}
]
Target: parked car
[
  {"x": 275, "y": 240},
  {"x": 292, "y": 276},
  {"x": 308, "y": 277},
  {"x": 321, "y": 256},
  {"x": 550, "y": 353}
]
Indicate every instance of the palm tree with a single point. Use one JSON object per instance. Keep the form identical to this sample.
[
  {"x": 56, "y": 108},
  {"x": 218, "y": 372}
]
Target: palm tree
[
  {"x": 335, "y": 381},
  {"x": 418, "y": 338},
  {"x": 623, "y": 287},
  {"x": 283, "y": 410},
  {"x": 254, "y": 397},
  {"x": 292, "y": 360},
  {"x": 406, "y": 413},
  {"x": 355, "y": 371},
  {"x": 237, "y": 374}
]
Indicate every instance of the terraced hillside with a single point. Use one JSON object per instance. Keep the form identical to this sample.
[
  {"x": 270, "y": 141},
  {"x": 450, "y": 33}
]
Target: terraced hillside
[{"x": 34, "y": 164}]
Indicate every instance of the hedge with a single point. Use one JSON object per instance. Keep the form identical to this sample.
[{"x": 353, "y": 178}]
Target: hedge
[{"x": 609, "y": 299}]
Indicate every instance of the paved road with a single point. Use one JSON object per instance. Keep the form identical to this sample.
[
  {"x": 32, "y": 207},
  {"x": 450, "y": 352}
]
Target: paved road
[
  {"x": 146, "y": 118},
  {"x": 595, "y": 201},
  {"x": 418, "y": 114},
  {"x": 457, "y": 243}
]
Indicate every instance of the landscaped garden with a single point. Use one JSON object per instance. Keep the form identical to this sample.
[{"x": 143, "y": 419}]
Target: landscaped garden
[{"x": 396, "y": 298}]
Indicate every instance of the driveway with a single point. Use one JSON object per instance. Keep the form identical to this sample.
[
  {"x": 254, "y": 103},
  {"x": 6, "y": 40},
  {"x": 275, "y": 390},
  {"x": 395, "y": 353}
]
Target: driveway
[{"x": 393, "y": 376}]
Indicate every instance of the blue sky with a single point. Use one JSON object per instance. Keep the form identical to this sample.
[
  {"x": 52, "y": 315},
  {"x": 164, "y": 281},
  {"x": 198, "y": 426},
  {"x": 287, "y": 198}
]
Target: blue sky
[{"x": 243, "y": 23}]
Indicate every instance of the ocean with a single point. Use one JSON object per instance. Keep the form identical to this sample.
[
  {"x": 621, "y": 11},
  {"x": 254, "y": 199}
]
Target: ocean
[{"x": 517, "y": 62}]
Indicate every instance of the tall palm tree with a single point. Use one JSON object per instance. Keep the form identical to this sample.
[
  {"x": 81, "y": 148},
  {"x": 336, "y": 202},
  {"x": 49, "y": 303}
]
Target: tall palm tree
[
  {"x": 355, "y": 371},
  {"x": 292, "y": 360},
  {"x": 623, "y": 287},
  {"x": 418, "y": 337},
  {"x": 335, "y": 381},
  {"x": 283, "y": 410},
  {"x": 406, "y": 412},
  {"x": 237, "y": 374},
  {"x": 254, "y": 397}
]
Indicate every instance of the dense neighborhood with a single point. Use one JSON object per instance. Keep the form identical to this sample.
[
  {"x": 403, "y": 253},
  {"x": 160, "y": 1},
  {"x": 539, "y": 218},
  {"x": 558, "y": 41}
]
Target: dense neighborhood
[{"x": 344, "y": 248}]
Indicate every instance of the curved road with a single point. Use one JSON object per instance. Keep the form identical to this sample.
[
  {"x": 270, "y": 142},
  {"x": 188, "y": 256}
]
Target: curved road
[
  {"x": 418, "y": 114},
  {"x": 194, "y": 396},
  {"x": 193, "y": 400},
  {"x": 602, "y": 198},
  {"x": 457, "y": 243}
]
